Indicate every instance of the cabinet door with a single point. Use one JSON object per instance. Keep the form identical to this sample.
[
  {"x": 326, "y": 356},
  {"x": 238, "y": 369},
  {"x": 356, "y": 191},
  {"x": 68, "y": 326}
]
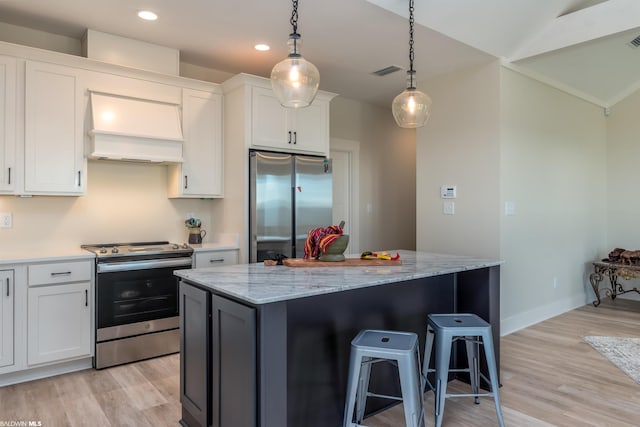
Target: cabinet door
[
  {"x": 195, "y": 371},
  {"x": 233, "y": 347},
  {"x": 6, "y": 316},
  {"x": 312, "y": 128},
  {"x": 269, "y": 122},
  {"x": 59, "y": 322},
  {"x": 201, "y": 174},
  {"x": 215, "y": 258},
  {"x": 54, "y": 157},
  {"x": 7, "y": 123}
]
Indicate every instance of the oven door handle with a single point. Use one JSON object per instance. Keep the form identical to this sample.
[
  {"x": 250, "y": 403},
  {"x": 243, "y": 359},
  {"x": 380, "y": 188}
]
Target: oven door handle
[{"x": 142, "y": 265}]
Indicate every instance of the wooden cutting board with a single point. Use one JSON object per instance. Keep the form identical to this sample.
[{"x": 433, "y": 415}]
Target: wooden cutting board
[{"x": 349, "y": 262}]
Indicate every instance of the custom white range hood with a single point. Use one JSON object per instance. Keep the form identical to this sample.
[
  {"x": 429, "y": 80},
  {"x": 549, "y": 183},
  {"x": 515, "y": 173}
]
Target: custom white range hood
[{"x": 134, "y": 129}]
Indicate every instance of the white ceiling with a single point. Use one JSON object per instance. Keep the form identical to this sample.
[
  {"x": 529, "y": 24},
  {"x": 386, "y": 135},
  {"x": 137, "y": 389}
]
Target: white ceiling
[{"x": 578, "y": 44}]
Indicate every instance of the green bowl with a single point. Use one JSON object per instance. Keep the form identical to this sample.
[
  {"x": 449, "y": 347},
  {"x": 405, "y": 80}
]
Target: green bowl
[{"x": 335, "y": 251}]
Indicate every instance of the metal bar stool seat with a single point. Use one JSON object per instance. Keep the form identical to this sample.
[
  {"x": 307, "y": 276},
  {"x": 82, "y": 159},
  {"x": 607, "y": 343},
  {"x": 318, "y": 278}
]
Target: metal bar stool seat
[
  {"x": 399, "y": 348},
  {"x": 446, "y": 329}
]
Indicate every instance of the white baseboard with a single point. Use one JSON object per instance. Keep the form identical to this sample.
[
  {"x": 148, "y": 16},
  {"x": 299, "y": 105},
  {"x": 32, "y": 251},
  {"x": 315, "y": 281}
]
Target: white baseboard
[
  {"x": 45, "y": 371},
  {"x": 531, "y": 317},
  {"x": 630, "y": 296}
]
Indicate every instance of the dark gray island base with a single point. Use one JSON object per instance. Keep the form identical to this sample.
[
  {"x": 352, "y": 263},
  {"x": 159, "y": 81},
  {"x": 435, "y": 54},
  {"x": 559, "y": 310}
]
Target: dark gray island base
[{"x": 269, "y": 346}]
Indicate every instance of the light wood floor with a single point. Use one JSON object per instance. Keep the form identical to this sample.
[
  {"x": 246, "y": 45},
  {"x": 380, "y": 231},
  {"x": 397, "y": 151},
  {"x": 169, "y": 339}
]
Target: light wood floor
[{"x": 550, "y": 377}]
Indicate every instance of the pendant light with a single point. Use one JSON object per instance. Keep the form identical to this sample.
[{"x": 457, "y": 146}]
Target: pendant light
[
  {"x": 411, "y": 108},
  {"x": 295, "y": 80}
]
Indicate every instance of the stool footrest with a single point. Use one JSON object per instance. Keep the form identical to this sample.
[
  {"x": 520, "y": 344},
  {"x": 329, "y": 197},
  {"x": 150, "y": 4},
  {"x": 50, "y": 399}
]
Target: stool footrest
[
  {"x": 469, "y": 395},
  {"x": 384, "y": 396}
]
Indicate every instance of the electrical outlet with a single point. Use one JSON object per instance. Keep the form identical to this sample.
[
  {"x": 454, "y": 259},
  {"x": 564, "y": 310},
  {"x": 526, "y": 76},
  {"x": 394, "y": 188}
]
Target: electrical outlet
[{"x": 6, "y": 220}]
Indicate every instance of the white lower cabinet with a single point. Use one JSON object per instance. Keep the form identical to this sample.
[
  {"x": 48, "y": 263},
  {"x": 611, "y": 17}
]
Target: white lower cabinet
[
  {"x": 59, "y": 321},
  {"x": 6, "y": 316}
]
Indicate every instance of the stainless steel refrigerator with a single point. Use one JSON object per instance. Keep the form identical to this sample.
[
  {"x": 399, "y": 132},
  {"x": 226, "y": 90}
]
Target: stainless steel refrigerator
[{"x": 289, "y": 195}]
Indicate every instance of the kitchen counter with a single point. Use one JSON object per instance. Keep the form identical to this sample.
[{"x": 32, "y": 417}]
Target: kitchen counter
[
  {"x": 260, "y": 284},
  {"x": 37, "y": 253},
  {"x": 42, "y": 254},
  {"x": 277, "y": 338}
]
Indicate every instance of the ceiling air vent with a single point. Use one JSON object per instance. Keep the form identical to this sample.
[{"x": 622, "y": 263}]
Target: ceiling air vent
[
  {"x": 635, "y": 43},
  {"x": 386, "y": 70}
]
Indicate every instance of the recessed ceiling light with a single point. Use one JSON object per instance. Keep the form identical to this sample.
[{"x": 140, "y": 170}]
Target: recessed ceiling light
[
  {"x": 147, "y": 15},
  {"x": 262, "y": 47}
]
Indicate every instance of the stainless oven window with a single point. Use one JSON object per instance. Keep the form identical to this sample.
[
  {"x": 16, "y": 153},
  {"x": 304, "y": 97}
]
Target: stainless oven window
[{"x": 125, "y": 297}]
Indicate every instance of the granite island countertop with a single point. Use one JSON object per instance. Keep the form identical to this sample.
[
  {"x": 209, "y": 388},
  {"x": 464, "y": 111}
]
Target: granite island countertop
[{"x": 260, "y": 284}]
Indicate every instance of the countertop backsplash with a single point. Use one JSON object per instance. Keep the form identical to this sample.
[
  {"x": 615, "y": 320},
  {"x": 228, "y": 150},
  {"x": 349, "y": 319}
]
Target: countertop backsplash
[{"x": 124, "y": 202}]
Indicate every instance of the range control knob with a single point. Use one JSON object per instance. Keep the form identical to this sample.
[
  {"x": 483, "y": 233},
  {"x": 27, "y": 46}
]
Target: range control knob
[
  {"x": 175, "y": 246},
  {"x": 115, "y": 250},
  {"x": 103, "y": 250},
  {"x": 184, "y": 245}
]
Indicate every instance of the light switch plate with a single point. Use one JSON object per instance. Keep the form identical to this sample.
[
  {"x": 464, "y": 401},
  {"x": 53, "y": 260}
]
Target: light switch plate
[
  {"x": 5, "y": 220},
  {"x": 448, "y": 208},
  {"x": 509, "y": 208}
]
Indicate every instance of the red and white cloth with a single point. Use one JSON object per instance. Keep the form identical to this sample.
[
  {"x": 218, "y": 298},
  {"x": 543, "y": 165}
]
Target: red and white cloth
[{"x": 319, "y": 239}]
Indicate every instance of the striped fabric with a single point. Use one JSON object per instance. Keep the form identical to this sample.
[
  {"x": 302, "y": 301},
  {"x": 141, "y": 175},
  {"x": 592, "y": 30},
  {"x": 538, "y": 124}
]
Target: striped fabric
[{"x": 319, "y": 239}]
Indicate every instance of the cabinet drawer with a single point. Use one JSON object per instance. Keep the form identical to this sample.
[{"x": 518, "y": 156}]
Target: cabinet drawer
[
  {"x": 47, "y": 274},
  {"x": 213, "y": 258}
]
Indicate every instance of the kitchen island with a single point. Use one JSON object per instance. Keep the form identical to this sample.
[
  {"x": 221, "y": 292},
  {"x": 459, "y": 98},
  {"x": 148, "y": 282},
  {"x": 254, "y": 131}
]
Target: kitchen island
[{"x": 269, "y": 345}]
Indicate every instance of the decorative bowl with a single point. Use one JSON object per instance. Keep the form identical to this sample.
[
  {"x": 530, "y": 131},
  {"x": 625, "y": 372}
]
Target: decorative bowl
[{"x": 335, "y": 251}]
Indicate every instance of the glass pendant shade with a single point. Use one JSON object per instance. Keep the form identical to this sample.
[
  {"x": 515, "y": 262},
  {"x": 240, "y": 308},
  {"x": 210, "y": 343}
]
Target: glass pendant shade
[
  {"x": 411, "y": 108},
  {"x": 295, "y": 80}
]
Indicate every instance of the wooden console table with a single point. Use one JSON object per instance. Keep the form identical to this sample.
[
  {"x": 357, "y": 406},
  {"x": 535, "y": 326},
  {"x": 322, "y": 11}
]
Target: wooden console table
[{"x": 613, "y": 272}]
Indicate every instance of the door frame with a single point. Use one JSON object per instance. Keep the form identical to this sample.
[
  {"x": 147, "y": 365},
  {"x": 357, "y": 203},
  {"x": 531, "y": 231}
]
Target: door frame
[{"x": 352, "y": 148}]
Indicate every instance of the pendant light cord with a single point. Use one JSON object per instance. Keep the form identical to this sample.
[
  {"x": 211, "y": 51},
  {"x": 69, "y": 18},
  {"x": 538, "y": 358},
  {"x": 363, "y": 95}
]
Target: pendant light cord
[
  {"x": 411, "y": 53},
  {"x": 294, "y": 17},
  {"x": 294, "y": 23}
]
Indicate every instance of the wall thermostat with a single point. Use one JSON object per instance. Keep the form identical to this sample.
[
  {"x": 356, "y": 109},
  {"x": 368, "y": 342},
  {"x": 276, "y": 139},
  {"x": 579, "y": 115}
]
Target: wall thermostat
[{"x": 448, "y": 191}]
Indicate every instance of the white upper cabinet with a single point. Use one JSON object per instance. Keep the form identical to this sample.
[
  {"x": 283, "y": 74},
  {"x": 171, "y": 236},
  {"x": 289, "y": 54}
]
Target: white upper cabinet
[
  {"x": 289, "y": 129},
  {"x": 7, "y": 124},
  {"x": 201, "y": 173},
  {"x": 54, "y": 107}
]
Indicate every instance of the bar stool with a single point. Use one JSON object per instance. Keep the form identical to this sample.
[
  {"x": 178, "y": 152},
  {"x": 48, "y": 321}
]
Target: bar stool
[
  {"x": 446, "y": 329},
  {"x": 399, "y": 348}
]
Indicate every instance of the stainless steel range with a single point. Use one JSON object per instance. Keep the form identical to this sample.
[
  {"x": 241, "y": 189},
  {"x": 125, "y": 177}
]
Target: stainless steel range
[{"x": 137, "y": 300}]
